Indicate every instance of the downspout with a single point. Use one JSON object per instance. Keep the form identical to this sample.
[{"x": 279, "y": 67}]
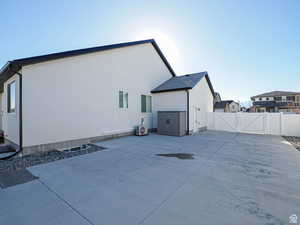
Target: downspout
[{"x": 188, "y": 111}]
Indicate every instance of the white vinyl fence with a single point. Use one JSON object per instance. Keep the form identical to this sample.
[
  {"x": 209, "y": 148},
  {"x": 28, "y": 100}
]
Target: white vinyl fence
[{"x": 256, "y": 123}]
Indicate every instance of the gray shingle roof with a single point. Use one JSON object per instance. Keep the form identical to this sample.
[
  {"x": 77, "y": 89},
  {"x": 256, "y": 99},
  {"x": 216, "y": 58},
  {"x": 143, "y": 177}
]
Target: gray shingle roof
[{"x": 182, "y": 83}]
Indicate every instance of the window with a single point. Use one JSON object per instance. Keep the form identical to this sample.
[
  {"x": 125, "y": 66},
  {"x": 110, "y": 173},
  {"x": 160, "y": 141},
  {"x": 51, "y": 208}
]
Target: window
[
  {"x": 267, "y": 99},
  {"x": 277, "y": 98},
  {"x": 11, "y": 97},
  {"x": 260, "y": 110},
  {"x": 260, "y": 99},
  {"x": 123, "y": 99},
  {"x": 146, "y": 101},
  {"x": 290, "y": 98}
]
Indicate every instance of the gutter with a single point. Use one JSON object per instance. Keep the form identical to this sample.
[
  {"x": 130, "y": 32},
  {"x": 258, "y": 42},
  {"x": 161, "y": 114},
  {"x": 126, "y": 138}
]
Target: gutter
[
  {"x": 169, "y": 90},
  {"x": 188, "y": 111}
]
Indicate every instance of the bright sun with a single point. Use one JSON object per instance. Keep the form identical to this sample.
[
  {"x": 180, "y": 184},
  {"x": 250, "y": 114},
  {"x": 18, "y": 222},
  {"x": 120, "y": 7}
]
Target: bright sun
[{"x": 166, "y": 44}]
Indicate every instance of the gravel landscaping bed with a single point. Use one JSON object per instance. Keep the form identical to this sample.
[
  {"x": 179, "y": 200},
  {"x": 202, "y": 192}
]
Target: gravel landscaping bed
[
  {"x": 18, "y": 162},
  {"x": 295, "y": 141}
]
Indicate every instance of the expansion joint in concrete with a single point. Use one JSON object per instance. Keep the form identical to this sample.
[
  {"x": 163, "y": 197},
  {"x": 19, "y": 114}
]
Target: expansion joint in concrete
[{"x": 66, "y": 202}]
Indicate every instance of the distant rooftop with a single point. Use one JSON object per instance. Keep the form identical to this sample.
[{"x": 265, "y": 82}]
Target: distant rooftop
[
  {"x": 275, "y": 93},
  {"x": 222, "y": 104}
]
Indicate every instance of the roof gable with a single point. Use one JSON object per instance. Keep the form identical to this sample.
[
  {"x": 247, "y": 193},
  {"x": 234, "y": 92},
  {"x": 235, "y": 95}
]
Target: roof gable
[
  {"x": 183, "y": 83},
  {"x": 11, "y": 67}
]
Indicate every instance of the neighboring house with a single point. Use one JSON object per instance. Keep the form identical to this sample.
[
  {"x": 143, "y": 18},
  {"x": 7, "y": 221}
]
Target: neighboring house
[
  {"x": 217, "y": 97},
  {"x": 277, "y": 101},
  {"x": 227, "y": 106},
  {"x": 66, "y": 99},
  {"x": 244, "y": 109}
]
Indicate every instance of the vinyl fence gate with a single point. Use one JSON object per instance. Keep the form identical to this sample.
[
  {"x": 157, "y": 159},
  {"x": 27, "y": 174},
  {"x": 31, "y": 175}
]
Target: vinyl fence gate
[{"x": 256, "y": 123}]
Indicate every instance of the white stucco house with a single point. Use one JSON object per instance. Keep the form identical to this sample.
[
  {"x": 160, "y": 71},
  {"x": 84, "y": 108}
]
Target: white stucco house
[{"x": 66, "y": 99}]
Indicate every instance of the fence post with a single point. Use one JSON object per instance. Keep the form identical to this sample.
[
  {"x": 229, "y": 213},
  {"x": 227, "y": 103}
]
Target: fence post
[
  {"x": 280, "y": 124},
  {"x": 214, "y": 120},
  {"x": 238, "y": 124},
  {"x": 264, "y": 122}
]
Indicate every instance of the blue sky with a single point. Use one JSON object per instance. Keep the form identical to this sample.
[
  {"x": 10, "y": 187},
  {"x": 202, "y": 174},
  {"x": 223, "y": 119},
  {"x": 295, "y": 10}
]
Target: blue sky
[{"x": 247, "y": 47}]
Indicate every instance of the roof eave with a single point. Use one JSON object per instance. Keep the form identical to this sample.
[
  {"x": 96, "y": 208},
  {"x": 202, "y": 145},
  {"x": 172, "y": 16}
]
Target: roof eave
[
  {"x": 156, "y": 47},
  {"x": 7, "y": 71},
  {"x": 76, "y": 52},
  {"x": 18, "y": 63},
  {"x": 169, "y": 90},
  {"x": 5, "y": 67},
  {"x": 210, "y": 84}
]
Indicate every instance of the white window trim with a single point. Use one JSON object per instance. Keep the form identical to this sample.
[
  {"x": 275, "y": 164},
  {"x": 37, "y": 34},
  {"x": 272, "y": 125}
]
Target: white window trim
[
  {"x": 7, "y": 102},
  {"x": 124, "y": 92},
  {"x": 151, "y": 103}
]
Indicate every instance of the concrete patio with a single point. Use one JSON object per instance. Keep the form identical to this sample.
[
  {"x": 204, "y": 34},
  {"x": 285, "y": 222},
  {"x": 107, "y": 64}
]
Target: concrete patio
[{"x": 233, "y": 179}]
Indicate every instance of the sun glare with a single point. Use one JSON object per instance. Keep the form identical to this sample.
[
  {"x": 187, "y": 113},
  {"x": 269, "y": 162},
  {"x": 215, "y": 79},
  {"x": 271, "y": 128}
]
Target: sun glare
[{"x": 166, "y": 44}]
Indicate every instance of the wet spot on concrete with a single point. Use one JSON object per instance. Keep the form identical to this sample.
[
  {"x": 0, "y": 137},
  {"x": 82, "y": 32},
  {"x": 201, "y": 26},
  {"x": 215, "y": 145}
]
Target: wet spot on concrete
[
  {"x": 265, "y": 171},
  {"x": 178, "y": 155}
]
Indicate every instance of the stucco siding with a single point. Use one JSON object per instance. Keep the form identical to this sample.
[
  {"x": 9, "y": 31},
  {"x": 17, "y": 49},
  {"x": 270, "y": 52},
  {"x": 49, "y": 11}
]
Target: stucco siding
[
  {"x": 168, "y": 101},
  {"x": 77, "y": 97},
  {"x": 201, "y": 102}
]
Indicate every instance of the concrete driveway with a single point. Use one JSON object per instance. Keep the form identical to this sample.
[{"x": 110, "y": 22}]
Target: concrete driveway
[{"x": 233, "y": 179}]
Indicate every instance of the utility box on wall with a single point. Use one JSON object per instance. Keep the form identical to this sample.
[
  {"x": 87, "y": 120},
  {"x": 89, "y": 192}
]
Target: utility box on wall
[{"x": 171, "y": 123}]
